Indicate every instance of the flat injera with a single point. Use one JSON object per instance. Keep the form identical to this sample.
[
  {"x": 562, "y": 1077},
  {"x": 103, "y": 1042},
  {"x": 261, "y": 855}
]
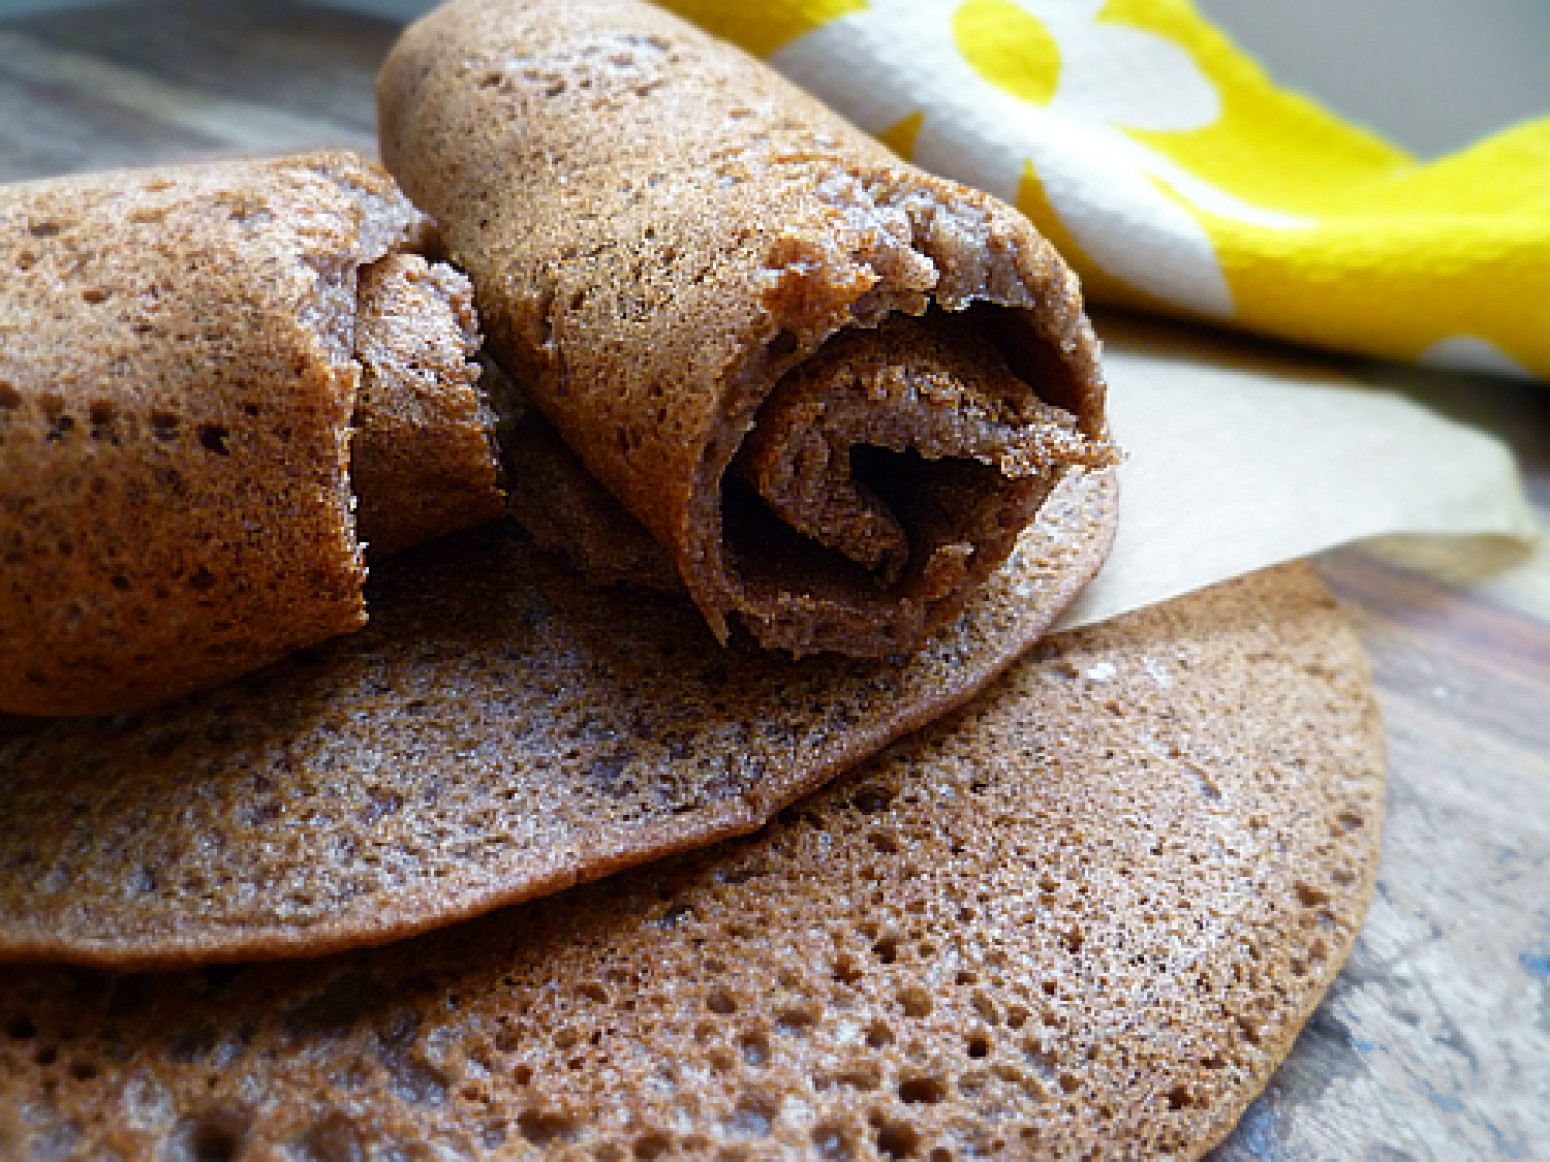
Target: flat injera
[
  {"x": 1083, "y": 918},
  {"x": 496, "y": 733}
]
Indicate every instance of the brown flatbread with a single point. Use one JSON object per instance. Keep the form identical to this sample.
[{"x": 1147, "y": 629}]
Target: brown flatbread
[
  {"x": 1084, "y": 918},
  {"x": 423, "y": 462},
  {"x": 178, "y": 372},
  {"x": 497, "y": 733},
  {"x": 832, "y": 387}
]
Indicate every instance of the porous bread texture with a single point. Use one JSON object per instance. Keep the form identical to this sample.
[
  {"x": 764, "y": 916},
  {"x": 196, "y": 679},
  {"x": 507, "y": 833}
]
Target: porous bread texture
[
  {"x": 497, "y": 733},
  {"x": 423, "y": 460},
  {"x": 920, "y": 386},
  {"x": 567, "y": 512},
  {"x": 1083, "y": 919},
  {"x": 177, "y": 380},
  {"x": 911, "y": 452},
  {"x": 659, "y": 228}
]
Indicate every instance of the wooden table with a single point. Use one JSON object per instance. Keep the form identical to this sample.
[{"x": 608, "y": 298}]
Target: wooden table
[{"x": 1435, "y": 1042}]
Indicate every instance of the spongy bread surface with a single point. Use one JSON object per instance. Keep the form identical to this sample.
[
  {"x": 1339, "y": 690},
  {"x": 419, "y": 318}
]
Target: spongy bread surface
[
  {"x": 1084, "y": 918},
  {"x": 176, "y": 387},
  {"x": 658, "y": 227},
  {"x": 422, "y": 464},
  {"x": 567, "y": 512},
  {"x": 498, "y": 732}
]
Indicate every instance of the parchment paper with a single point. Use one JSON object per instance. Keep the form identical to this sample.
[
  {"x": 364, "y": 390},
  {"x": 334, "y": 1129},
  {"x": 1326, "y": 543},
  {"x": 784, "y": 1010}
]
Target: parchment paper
[{"x": 1240, "y": 456}]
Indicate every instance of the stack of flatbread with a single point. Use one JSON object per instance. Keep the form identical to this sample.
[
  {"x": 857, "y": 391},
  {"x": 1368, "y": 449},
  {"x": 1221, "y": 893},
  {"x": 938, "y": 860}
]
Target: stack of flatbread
[{"x": 808, "y": 450}]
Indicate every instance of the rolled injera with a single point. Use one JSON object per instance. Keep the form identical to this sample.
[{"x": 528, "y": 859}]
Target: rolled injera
[
  {"x": 184, "y": 354},
  {"x": 832, "y": 387}
]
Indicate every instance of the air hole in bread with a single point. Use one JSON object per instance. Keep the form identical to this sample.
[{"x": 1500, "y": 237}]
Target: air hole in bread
[
  {"x": 1311, "y": 897},
  {"x": 922, "y": 1090},
  {"x": 884, "y": 841},
  {"x": 846, "y": 971},
  {"x": 213, "y": 438},
  {"x": 546, "y": 1128},
  {"x": 20, "y": 1027},
  {"x": 754, "y": 1048},
  {"x": 796, "y": 1019},
  {"x": 898, "y": 1140},
  {"x": 216, "y": 1136},
  {"x": 872, "y": 800},
  {"x": 84, "y": 1070},
  {"x": 652, "y": 1144},
  {"x": 879, "y": 1035}
]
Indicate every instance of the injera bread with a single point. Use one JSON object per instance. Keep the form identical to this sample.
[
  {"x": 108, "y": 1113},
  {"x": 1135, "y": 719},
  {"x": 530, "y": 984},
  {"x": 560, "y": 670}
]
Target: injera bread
[
  {"x": 833, "y": 387},
  {"x": 1084, "y": 918},
  {"x": 178, "y": 375},
  {"x": 498, "y": 732},
  {"x": 423, "y": 462}
]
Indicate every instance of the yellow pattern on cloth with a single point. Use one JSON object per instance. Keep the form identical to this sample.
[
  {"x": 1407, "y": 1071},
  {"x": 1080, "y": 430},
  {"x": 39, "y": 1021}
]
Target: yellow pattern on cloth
[{"x": 1176, "y": 176}]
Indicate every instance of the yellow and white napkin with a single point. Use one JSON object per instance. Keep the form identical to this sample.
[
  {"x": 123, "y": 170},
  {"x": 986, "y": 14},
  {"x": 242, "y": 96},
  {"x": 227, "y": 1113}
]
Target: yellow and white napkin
[{"x": 1175, "y": 176}]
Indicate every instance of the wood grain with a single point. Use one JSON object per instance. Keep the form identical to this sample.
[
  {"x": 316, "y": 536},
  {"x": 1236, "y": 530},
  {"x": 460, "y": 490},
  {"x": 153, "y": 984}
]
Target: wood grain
[
  {"x": 1435, "y": 1042},
  {"x": 137, "y": 83}
]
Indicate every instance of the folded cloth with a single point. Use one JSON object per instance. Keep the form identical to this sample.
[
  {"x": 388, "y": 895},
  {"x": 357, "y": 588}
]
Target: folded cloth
[{"x": 1174, "y": 175}]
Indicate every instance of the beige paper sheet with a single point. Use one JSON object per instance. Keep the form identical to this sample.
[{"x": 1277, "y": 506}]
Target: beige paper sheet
[{"x": 1239, "y": 457}]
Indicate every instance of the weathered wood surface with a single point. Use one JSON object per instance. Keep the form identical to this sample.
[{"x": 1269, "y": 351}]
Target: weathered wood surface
[
  {"x": 97, "y": 88},
  {"x": 1435, "y": 1042}
]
